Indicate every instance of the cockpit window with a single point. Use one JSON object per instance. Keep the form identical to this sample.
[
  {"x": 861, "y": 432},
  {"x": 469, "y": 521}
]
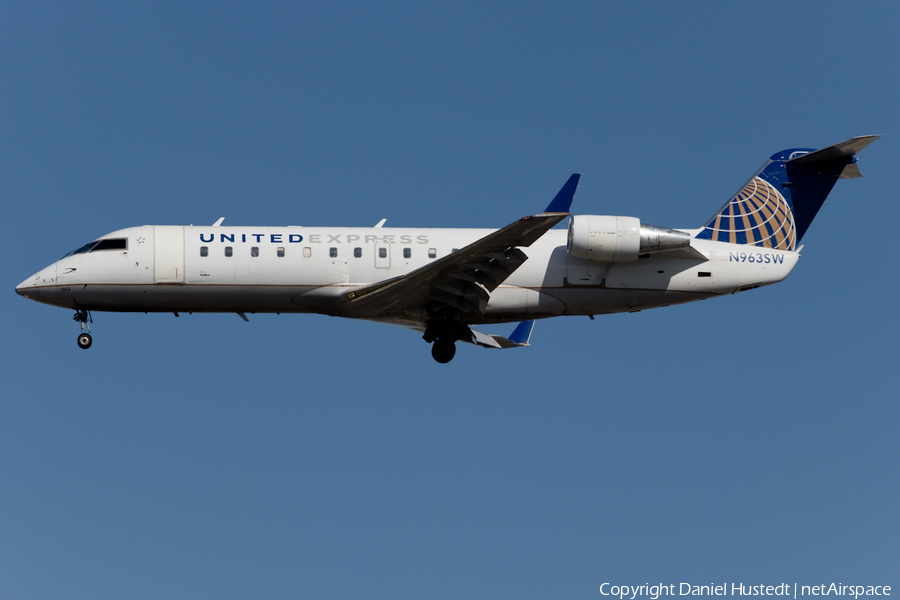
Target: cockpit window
[
  {"x": 111, "y": 244},
  {"x": 82, "y": 250},
  {"x": 108, "y": 244}
]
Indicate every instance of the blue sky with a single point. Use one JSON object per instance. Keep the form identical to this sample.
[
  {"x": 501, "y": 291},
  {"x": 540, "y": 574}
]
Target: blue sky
[{"x": 751, "y": 438}]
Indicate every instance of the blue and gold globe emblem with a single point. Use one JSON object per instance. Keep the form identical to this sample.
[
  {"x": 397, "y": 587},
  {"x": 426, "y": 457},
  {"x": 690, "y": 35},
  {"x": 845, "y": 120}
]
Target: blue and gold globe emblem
[{"x": 758, "y": 216}]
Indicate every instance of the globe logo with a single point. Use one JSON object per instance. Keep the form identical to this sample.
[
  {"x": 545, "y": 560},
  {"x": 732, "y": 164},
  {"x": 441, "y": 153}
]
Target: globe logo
[{"x": 758, "y": 216}]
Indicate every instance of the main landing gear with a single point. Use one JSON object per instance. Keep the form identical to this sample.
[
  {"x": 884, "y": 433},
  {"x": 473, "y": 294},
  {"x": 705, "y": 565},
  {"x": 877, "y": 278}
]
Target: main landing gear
[
  {"x": 443, "y": 350},
  {"x": 444, "y": 333},
  {"x": 84, "y": 338}
]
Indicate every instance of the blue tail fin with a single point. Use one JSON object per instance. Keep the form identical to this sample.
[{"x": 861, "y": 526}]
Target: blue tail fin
[{"x": 776, "y": 207}]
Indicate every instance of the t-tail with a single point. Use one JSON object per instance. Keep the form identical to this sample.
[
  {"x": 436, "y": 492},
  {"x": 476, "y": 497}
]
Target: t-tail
[{"x": 776, "y": 207}]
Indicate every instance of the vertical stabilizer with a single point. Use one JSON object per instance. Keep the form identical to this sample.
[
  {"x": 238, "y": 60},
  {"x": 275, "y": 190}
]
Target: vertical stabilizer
[{"x": 776, "y": 207}]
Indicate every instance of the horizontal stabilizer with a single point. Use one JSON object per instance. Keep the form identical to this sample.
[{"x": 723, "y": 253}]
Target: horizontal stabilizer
[{"x": 837, "y": 153}]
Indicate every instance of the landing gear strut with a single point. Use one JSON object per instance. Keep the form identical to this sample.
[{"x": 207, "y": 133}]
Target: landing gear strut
[{"x": 84, "y": 338}]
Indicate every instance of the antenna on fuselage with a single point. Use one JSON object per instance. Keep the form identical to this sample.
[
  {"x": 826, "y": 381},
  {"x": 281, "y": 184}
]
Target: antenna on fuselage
[
  {"x": 381, "y": 223},
  {"x": 219, "y": 222}
]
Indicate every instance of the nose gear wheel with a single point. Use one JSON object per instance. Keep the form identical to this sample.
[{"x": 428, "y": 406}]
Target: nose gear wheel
[{"x": 84, "y": 338}]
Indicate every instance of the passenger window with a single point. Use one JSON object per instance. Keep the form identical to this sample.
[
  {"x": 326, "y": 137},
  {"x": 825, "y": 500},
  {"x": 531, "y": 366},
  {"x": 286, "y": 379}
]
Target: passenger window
[
  {"x": 228, "y": 251},
  {"x": 307, "y": 252},
  {"x": 382, "y": 253},
  {"x": 407, "y": 253},
  {"x": 254, "y": 251},
  {"x": 280, "y": 251},
  {"x": 432, "y": 253},
  {"x": 204, "y": 250},
  {"x": 332, "y": 252},
  {"x": 357, "y": 252}
]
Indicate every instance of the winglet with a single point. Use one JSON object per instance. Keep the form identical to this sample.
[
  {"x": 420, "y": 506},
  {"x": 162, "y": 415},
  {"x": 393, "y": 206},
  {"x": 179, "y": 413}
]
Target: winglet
[
  {"x": 563, "y": 200},
  {"x": 522, "y": 333}
]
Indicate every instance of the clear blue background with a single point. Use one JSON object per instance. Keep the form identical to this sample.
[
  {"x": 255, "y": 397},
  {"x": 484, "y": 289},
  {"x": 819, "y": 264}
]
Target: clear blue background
[{"x": 749, "y": 439}]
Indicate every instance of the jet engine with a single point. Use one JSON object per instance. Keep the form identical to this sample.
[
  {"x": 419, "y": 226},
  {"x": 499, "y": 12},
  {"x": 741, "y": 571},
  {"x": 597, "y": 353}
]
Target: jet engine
[{"x": 620, "y": 239}]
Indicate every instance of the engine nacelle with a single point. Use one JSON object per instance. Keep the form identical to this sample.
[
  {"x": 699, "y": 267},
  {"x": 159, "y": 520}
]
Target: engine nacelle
[{"x": 620, "y": 239}]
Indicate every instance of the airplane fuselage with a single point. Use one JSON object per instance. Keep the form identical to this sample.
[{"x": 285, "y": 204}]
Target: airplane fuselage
[{"x": 310, "y": 269}]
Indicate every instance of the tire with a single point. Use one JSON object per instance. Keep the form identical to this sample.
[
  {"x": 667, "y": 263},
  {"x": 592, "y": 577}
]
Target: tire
[
  {"x": 84, "y": 341},
  {"x": 443, "y": 351}
]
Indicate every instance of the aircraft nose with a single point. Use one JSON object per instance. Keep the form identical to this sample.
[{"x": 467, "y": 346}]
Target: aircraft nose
[
  {"x": 28, "y": 283},
  {"x": 45, "y": 276},
  {"x": 23, "y": 287}
]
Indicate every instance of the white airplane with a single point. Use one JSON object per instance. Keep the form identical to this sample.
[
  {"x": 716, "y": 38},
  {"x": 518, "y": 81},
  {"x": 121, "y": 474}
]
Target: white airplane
[{"x": 442, "y": 281}]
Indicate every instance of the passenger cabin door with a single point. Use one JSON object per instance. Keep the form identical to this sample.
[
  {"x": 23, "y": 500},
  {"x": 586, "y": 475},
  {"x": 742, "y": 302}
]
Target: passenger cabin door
[{"x": 168, "y": 254}]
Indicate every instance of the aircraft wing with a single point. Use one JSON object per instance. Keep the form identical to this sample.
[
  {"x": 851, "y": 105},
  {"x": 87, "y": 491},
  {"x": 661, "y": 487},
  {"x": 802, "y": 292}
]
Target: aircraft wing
[
  {"x": 460, "y": 282},
  {"x": 519, "y": 337}
]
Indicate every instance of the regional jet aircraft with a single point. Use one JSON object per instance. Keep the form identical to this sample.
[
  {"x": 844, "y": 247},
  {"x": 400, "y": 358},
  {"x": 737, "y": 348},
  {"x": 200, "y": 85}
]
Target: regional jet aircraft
[{"x": 442, "y": 282}]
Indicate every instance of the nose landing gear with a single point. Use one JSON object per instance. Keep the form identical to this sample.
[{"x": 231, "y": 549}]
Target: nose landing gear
[{"x": 84, "y": 338}]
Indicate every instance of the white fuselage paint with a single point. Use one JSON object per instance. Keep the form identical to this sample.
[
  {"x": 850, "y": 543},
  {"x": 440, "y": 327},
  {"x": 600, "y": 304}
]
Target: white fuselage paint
[{"x": 154, "y": 274}]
